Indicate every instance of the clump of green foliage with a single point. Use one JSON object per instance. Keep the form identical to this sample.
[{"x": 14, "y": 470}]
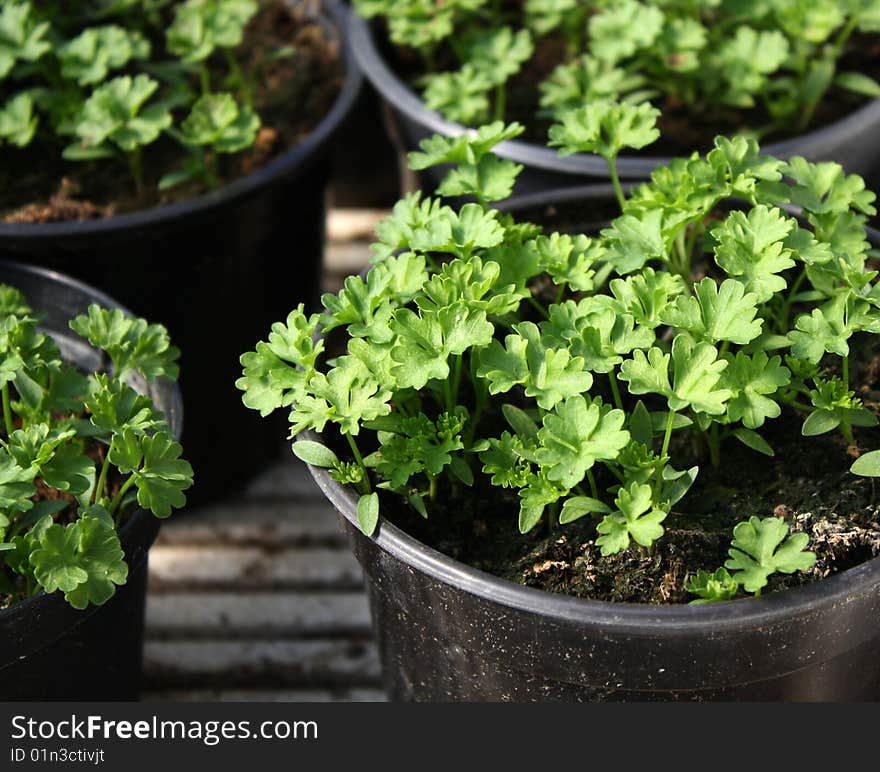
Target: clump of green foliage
[
  {"x": 78, "y": 451},
  {"x": 108, "y": 80},
  {"x": 699, "y": 314},
  {"x": 770, "y": 61}
]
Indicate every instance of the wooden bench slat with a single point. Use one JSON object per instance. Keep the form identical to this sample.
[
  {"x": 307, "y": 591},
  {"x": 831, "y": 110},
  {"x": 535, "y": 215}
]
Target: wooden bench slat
[
  {"x": 232, "y": 615},
  {"x": 225, "y": 664},
  {"x": 231, "y": 567}
]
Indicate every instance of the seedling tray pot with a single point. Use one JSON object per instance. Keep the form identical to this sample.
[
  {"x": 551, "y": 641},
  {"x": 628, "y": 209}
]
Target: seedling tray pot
[
  {"x": 449, "y": 632},
  {"x": 49, "y": 650},
  {"x": 850, "y": 141},
  {"x": 217, "y": 270}
]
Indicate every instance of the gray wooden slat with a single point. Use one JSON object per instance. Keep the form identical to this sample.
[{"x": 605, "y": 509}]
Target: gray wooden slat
[
  {"x": 286, "y": 478},
  {"x": 237, "y": 568},
  {"x": 340, "y": 694},
  {"x": 276, "y": 614},
  {"x": 226, "y": 664},
  {"x": 262, "y": 523}
]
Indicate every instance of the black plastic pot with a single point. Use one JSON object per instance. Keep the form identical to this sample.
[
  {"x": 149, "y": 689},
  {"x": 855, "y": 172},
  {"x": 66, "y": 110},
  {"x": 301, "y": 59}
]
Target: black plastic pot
[
  {"x": 217, "y": 270},
  {"x": 449, "y": 632},
  {"x": 49, "y": 650},
  {"x": 853, "y": 141}
]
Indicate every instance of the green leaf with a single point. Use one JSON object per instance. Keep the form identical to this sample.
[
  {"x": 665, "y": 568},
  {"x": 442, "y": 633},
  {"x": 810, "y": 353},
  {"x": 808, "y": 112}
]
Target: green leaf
[
  {"x": 858, "y": 83},
  {"x": 201, "y": 26},
  {"x": 696, "y": 369},
  {"x": 426, "y": 341},
  {"x": 278, "y": 370},
  {"x": 57, "y": 562},
  {"x": 753, "y": 380},
  {"x": 534, "y": 497},
  {"x": 549, "y": 375},
  {"x": 504, "y": 462},
  {"x": 754, "y": 441},
  {"x": 16, "y": 485},
  {"x": 820, "y": 422},
  {"x": 101, "y": 557},
  {"x": 605, "y": 128},
  {"x": 619, "y": 30},
  {"x": 751, "y": 248},
  {"x": 520, "y": 422},
  {"x": 635, "y": 518},
  {"x": 347, "y": 395},
  {"x": 711, "y": 588},
  {"x": 578, "y": 506},
  {"x": 760, "y": 548},
  {"x": 18, "y": 122},
  {"x": 465, "y": 149},
  {"x": 633, "y": 241},
  {"x": 218, "y": 122},
  {"x": 867, "y": 465},
  {"x": 717, "y": 312},
  {"x": 461, "y": 95},
  {"x": 824, "y": 329},
  {"x": 113, "y": 115},
  {"x": 640, "y": 426},
  {"x": 368, "y": 513},
  {"x": 130, "y": 342},
  {"x": 314, "y": 453},
  {"x": 115, "y": 406},
  {"x": 575, "y": 435},
  {"x": 159, "y": 473},
  {"x": 91, "y": 55}
]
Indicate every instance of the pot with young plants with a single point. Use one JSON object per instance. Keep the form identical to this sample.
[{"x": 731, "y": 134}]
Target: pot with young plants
[
  {"x": 88, "y": 461},
  {"x": 177, "y": 155},
  {"x": 799, "y": 75},
  {"x": 629, "y": 464}
]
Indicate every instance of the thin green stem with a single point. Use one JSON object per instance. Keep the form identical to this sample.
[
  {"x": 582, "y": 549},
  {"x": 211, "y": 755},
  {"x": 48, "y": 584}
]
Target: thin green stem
[
  {"x": 7, "y": 411},
  {"x": 360, "y": 462},
  {"x": 785, "y": 312},
  {"x": 845, "y": 423},
  {"x": 456, "y": 380},
  {"x": 594, "y": 490},
  {"x": 432, "y": 487},
  {"x": 98, "y": 490},
  {"x": 205, "y": 78},
  {"x": 615, "y": 391},
  {"x": 615, "y": 181},
  {"x": 500, "y": 102},
  {"x": 667, "y": 437},
  {"x": 117, "y": 499}
]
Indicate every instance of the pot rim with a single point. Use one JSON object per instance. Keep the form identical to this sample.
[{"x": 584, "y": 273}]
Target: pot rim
[
  {"x": 633, "y": 618},
  {"x": 141, "y": 523},
  {"x": 406, "y": 101},
  {"x": 287, "y": 165}
]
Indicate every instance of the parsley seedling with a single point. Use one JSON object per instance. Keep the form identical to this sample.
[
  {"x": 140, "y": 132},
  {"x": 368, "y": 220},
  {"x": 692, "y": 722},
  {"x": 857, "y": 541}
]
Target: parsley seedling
[
  {"x": 93, "y": 442},
  {"x": 585, "y": 373}
]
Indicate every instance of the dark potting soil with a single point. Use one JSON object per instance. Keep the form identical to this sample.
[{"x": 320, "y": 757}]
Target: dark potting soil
[
  {"x": 292, "y": 94},
  {"x": 683, "y": 128}
]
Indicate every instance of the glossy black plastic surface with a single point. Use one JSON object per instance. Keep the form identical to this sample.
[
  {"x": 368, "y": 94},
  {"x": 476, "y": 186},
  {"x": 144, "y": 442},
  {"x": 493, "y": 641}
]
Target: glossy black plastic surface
[
  {"x": 217, "y": 270},
  {"x": 48, "y": 650}
]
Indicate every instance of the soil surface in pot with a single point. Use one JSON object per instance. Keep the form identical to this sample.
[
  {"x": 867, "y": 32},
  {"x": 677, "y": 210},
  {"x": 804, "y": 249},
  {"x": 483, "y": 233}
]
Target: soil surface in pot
[
  {"x": 683, "y": 128},
  {"x": 297, "y": 75}
]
